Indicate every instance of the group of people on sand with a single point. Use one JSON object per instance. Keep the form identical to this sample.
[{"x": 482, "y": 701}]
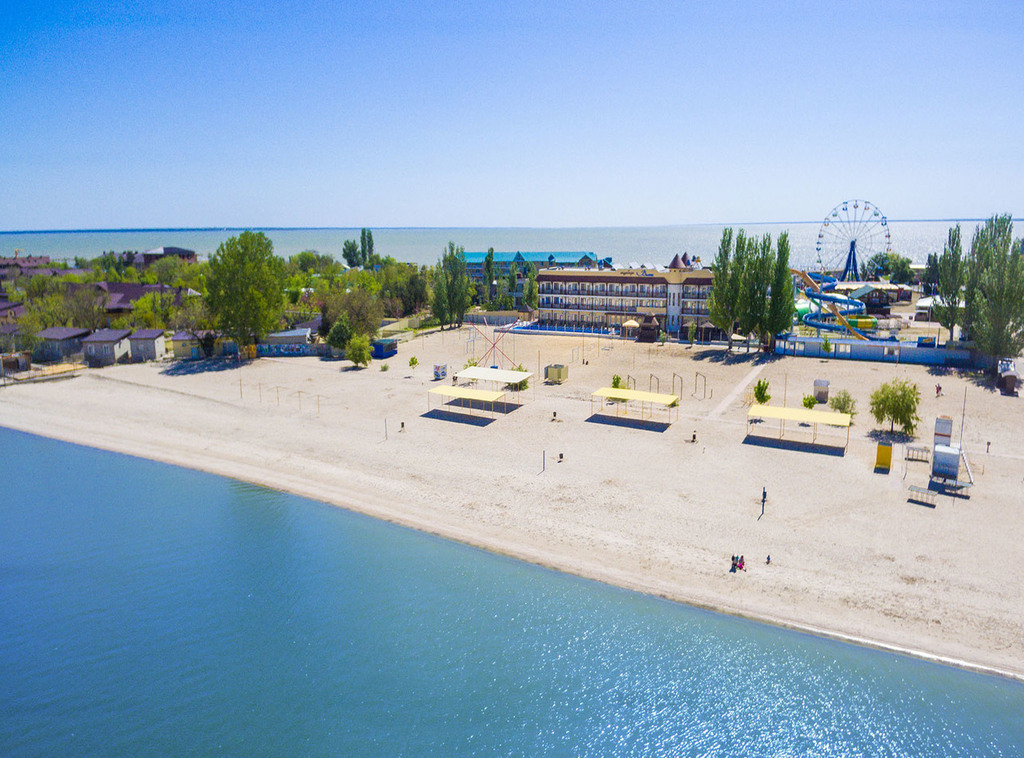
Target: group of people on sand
[{"x": 739, "y": 563}]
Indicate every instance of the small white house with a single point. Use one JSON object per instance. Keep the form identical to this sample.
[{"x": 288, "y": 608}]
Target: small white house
[
  {"x": 106, "y": 347},
  {"x": 147, "y": 345}
]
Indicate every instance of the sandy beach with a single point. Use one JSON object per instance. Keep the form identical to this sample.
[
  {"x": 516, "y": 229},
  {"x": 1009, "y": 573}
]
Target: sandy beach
[{"x": 638, "y": 506}]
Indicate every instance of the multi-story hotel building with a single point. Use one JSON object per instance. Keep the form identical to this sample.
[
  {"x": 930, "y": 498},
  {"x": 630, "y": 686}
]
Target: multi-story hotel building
[{"x": 605, "y": 299}]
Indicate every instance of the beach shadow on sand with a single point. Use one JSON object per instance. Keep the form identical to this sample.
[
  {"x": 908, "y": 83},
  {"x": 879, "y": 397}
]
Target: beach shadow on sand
[
  {"x": 630, "y": 423},
  {"x": 202, "y": 366},
  {"x": 837, "y": 451},
  {"x": 478, "y": 405},
  {"x": 458, "y": 418}
]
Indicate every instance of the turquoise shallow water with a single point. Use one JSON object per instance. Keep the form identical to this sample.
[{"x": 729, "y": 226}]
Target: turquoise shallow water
[{"x": 151, "y": 610}]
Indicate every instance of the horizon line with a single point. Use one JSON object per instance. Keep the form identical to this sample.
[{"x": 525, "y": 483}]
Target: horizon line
[{"x": 125, "y": 230}]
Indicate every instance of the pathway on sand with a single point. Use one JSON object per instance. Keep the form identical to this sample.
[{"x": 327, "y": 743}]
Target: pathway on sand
[{"x": 740, "y": 386}]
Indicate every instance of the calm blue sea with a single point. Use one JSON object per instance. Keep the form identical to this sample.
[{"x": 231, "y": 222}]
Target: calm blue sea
[
  {"x": 148, "y": 610},
  {"x": 648, "y": 244}
]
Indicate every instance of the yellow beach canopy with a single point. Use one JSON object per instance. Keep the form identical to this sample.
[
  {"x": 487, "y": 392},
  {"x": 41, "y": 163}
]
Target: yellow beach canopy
[
  {"x": 619, "y": 393},
  {"x": 468, "y": 393},
  {"x": 800, "y": 415},
  {"x": 631, "y": 324}
]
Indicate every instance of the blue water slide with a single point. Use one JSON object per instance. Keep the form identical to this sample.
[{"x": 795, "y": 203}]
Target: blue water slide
[{"x": 846, "y": 306}]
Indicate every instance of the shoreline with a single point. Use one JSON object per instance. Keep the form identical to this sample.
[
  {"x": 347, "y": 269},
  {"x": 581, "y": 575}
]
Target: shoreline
[
  {"x": 638, "y": 530},
  {"x": 790, "y": 625}
]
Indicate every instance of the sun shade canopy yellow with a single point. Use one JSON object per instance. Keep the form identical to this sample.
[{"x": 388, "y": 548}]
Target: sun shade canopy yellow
[
  {"x": 800, "y": 415},
  {"x": 468, "y": 393},
  {"x": 613, "y": 393}
]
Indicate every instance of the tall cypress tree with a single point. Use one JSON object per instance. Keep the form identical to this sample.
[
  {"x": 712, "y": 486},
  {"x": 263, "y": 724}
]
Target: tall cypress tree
[
  {"x": 753, "y": 291},
  {"x": 998, "y": 295},
  {"x": 720, "y": 305},
  {"x": 950, "y": 281},
  {"x": 781, "y": 306}
]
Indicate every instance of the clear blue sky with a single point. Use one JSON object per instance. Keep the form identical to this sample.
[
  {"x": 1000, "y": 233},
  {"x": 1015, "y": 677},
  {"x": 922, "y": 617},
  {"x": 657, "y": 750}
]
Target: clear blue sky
[{"x": 178, "y": 113}]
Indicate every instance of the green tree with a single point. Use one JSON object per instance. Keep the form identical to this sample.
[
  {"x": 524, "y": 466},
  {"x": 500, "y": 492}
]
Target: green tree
[
  {"x": 761, "y": 395},
  {"x": 363, "y": 310},
  {"x": 891, "y": 266},
  {"x": 843, "y": 402},
  {"x": 366, "y": 254},
  {"x": 352, "y": 254},
  {"x": 809, "y": 402},
  {"x": 691, "y": 332},
  {"x": 896, "y": 401},
  {"x": 451, "y": 278},
  {"x": 341, "y": 333},
  {"x": 951, "y": 281},
  {"x": 930, "y": 277},
  {"x": 994, "y": 312},
  {"x": 721, "y": 305},
  {"x": 753, "y": 290},
  {"x": 781, "y": 306},
  {"x": 244, "y": 287},
  {"x": 358, "y": 350},
  {"x": 513, "y": 283},
  {"x": 826, "y": 346},
  {"x": 439, "y": 298},
  {"x": 194, "y": 318},
  {"x": 488, "y": 276},
  {"x": 531, "y": 293}
]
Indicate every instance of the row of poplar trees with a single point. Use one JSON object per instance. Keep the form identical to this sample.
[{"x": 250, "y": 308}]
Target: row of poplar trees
[
  {"x": 982, "y": 291},
  {"x": 753, "y": 288}
]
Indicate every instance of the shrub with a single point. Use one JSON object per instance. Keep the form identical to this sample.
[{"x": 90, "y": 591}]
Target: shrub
[
  {"x": 691, "y": 333},
  {"x": 470, "y": 362},
  {"x": 616, "y": 381},
  {"x": 843, "y": 402},
  {"x": 662, "y": 338},
  {"x": 761, "y": 392},
  {"x": 826, "y": 346},
  {"x": 413, "y": 363},
  {"x": 358, "y": 350},
  {"x": 897, "y": 401},
  {"x": 810, "y": 401},
  {"x": 519, "y": 386},
  {"x": 384, "y": 367}
]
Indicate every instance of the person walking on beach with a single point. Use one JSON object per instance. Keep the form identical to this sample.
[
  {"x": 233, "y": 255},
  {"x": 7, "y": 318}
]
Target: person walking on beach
[{"x": 764, "y": 496}]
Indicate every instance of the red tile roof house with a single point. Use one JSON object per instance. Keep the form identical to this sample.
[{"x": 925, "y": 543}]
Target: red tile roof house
[
  {"x": 106, "y": 347},
  {"x": 147, "y": 345},
  {"x": 60, "y": 342}
]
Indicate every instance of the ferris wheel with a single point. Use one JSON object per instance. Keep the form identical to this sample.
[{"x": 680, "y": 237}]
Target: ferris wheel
[{"x": 851, "y": 233}]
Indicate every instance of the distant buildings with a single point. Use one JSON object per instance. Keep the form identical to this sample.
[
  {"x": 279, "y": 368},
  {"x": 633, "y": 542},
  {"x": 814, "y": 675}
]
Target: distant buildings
[
  {"x": 503, "y": 264},
  {"x": 608, "y": 298}
]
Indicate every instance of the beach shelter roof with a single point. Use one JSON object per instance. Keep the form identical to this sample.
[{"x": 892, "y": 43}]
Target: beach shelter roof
[
  {"x": 468, "y": 393},
  {"x": 501, "y": 376},
  {"x": 631, "y": 324},
  {"x": 801, "y": 415},
  {"x": 620, "y": 393}
]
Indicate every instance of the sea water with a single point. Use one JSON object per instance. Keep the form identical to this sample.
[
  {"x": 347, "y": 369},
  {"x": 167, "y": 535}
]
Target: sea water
[
  {"x": 148, "y": 610},
  {"x": 649, "y": 244}
]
